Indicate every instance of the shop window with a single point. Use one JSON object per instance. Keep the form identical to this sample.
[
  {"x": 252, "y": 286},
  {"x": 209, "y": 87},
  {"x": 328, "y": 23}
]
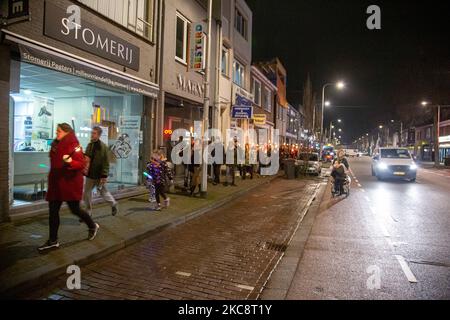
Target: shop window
[
  {"x": 47, "y": 98},
  {"x": 182, "y": 38},
  {"x": 135, "y": 15}
]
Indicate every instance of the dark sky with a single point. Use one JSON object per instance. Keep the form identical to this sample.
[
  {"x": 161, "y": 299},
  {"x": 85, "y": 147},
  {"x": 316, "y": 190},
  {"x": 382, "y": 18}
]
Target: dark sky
[{"x": 401, "y": 64}]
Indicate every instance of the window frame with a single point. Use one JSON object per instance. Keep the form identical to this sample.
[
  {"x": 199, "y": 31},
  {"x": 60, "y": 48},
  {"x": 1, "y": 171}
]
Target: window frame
[
  {"x": 242, "y": 74},
  {"x": 268, "y": 99},
  {"x": 226, "y": 53},
  {"x": 257, "y": 94},
  {"x": 125, "y": 25},
  {"x": 186, "y": 26},
  {"x": 239, "y": 17}
]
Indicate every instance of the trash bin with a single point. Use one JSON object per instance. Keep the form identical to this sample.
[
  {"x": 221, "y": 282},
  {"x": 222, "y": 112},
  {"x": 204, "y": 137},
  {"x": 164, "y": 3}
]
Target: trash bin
[
  {"x": 289, "y": 168},
  {"x": 447, "y": 161}
]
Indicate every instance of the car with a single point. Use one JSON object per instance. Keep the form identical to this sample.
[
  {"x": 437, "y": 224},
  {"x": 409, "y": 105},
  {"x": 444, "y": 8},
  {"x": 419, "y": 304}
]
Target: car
[
  {"x": 351, "y": 153},
  {"x": 309, "y": 163},
  {"x": 395, "y": 163}
]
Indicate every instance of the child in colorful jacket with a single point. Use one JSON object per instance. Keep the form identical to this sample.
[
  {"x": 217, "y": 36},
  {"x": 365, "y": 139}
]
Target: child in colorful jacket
[{"x": 157, "y": 171}]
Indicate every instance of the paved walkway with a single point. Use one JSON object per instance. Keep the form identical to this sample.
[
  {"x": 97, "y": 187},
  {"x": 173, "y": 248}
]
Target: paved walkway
[
  {"x": 22, "y": 266},
  {"x": 227, "y": 253}
]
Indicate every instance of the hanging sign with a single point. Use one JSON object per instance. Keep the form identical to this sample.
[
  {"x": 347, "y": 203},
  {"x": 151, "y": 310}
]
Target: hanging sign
[{"x": 197, "y": 47}]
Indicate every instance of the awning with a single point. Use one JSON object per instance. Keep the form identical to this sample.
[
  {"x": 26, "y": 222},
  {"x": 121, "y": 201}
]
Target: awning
[{"x": 53, "y": 59}]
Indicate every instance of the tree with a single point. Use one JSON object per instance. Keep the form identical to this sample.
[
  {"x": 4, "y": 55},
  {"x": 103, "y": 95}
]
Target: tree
[{"x": 309, "y": 104}]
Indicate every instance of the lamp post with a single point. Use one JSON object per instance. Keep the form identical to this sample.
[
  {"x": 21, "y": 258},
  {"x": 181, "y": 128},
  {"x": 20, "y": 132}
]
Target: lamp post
[
  {"x": 340, "y": 85},
  {"x": 206, "y": 103}
]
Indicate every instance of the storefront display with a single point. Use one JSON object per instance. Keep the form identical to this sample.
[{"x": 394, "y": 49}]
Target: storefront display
[{"x": 47, "y": 98}]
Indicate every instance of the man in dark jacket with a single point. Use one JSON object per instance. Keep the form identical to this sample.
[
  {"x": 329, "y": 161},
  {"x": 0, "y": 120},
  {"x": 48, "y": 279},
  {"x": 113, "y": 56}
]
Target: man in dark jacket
[{"x": 98, "y": 172}]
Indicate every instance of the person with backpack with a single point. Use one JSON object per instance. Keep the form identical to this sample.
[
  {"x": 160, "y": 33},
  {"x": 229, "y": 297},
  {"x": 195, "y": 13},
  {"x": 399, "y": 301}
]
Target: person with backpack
[
  {"x": 97, "y": 172},
  {"x": 65, "y": 183}
]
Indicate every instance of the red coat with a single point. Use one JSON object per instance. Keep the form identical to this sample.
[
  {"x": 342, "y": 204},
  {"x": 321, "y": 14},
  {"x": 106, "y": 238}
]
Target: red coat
[{"x": 65, "y": 180}]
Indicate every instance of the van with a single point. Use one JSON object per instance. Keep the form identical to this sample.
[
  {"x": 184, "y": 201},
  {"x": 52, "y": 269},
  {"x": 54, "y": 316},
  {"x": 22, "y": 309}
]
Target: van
[{"x": 394, "y": 163}]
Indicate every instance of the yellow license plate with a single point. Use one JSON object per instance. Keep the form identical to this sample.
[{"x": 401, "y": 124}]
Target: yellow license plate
[{"x": 399, "y": 173}]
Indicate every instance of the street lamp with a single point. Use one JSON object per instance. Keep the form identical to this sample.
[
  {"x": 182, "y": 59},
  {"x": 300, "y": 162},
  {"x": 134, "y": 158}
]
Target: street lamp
[{"x": 327, "y": 103}]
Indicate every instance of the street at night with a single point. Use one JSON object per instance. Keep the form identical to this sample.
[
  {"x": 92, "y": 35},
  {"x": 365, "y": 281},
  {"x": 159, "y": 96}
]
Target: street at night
[{"x": 231, "y": 157}]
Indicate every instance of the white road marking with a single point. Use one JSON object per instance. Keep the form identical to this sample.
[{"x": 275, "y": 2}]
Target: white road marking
[
  {"x": 363, "y": 191},
  {"x": 244, "y": 287},
  {"x": 183, "y": 274},
  {"x": 406, "y": 270},
  {"x": 367, "y": 198}
]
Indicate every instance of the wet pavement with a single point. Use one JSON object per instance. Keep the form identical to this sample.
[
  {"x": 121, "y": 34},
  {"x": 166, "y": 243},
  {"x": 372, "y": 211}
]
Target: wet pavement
[
  {"x": 388, "y": 240},
  {"x": 225, "y": 254}
]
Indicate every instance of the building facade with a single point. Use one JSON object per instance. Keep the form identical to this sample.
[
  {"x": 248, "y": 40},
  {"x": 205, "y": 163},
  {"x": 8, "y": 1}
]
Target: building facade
[
  {"x": 80, "y": 62},
  {"x": 235, "y": 43},
  {"x": 276, "y": 73},
  {"x": 264, "y": 93},
  {"x": 182, "y": 89}
]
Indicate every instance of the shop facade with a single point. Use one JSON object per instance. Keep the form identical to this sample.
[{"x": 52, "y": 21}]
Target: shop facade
[
  {"x": 73, "y": 63},
  {"x": 182, "y": 89},
  {"x": 264, "y": 100}
]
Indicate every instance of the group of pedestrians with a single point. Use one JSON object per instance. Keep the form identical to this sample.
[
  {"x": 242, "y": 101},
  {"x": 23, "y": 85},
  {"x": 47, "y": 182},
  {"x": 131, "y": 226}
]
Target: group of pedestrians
[
  {"x": 193, "y": 174},
  {"x": 68, "y": 166}
]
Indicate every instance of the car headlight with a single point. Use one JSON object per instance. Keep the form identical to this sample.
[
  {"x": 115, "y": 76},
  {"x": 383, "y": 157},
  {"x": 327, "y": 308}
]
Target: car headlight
[
  {"x": 382, "y": 166},
  {"x": 413, "y": 166}
]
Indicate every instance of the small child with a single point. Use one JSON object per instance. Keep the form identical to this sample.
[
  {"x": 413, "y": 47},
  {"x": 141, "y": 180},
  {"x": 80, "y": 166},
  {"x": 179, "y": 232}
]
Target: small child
[
  {"x": 339, "y": 175},
  {"x": 157, "y": 171}
]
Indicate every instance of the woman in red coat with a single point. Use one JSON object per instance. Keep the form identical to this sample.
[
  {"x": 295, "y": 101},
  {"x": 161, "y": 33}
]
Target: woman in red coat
[{"x": 65, "y": 183}]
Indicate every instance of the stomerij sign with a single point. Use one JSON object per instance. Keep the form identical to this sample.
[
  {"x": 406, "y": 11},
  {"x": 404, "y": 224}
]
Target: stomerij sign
[{"x": 61, "y": 25}]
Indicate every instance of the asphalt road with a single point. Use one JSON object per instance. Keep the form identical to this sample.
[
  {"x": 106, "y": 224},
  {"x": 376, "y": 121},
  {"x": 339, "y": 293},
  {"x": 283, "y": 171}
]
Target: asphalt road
[{"x": 388, "y": 240}]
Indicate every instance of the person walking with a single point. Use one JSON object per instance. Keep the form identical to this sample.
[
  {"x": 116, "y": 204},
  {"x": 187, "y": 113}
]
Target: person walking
[
  {"x": 65, "y": 183},
  {"x": 97, "y": 175},
  {"x": 167, "y": 172},
  {"x": 232, "y": 164},
  {"x": 195, "y": 170},
  {"x": 156, "y": 171}
]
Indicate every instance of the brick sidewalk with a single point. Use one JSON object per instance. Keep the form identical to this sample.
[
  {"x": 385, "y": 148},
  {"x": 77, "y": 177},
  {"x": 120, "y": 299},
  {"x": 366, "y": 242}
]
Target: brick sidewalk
[
  {"x": 22, "y": 266},
  {"x": 225, "y": 254}
]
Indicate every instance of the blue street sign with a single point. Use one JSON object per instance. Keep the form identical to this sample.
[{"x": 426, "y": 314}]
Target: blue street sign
[{"x": 243, "y": 109}]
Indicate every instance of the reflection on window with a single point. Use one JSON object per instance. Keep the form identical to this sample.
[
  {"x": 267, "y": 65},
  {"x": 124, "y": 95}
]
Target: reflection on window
[{"x": 238, "y": 73}]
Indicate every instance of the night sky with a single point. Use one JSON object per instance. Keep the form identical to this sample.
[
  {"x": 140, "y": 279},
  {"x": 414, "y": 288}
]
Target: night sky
[{"x": 398, "y": 66}]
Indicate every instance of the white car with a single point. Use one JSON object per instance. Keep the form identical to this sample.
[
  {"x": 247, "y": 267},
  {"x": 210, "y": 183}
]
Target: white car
[
  {"x": 351, "y": 153},
  {"x": 394, "y": 163},
  {"x": 309, "y": 163}
]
